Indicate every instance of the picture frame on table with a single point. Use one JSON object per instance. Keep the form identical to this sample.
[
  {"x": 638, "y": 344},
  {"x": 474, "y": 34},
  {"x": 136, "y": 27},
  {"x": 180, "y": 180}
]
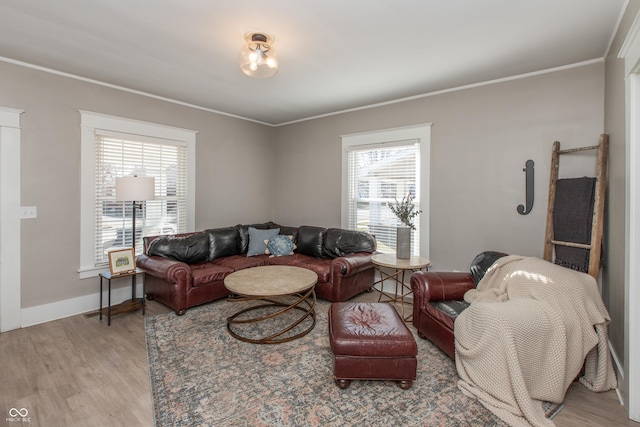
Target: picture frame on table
[{"x": 122, "y": 261}]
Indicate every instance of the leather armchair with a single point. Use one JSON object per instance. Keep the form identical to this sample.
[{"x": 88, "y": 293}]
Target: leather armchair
[{"x": 438, "y": 298}]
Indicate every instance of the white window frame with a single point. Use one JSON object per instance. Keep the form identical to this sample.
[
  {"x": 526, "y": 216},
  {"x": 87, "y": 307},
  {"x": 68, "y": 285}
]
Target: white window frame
[
  {"x": 89, "y": 122},
  {"x": 421, "y": 133}
]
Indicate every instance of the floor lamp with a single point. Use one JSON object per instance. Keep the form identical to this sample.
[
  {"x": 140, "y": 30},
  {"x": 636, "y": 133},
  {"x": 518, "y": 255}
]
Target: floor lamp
[{"x": 135, "y": 189}]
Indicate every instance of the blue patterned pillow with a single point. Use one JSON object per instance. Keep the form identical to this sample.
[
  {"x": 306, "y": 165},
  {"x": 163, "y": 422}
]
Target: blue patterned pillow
[{"x": 280, "y": 245}]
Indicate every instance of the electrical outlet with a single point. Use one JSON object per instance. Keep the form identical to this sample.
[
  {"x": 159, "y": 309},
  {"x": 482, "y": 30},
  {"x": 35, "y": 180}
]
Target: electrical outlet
[{"x": 28, "y": 212}]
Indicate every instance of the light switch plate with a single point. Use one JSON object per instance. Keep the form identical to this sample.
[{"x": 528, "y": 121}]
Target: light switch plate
[{"x": 28, "y": 212}]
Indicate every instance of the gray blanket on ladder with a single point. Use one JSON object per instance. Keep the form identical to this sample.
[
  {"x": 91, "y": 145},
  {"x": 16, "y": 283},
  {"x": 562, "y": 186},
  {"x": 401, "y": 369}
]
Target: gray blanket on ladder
[{"x": 572, "y": 218}]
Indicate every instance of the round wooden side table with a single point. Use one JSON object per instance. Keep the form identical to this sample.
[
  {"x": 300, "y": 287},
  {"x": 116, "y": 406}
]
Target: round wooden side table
[{"x": 399, "y": 266}]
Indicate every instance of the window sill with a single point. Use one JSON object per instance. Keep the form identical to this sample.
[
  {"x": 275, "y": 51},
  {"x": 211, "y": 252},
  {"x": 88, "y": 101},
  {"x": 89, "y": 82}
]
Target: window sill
[{"x": 89, "y": 272}]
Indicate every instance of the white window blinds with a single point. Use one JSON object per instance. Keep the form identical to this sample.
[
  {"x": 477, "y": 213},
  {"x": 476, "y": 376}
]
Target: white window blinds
[
  {"x": 379, "y": 174},
  {"x": 120, "y": 155}
]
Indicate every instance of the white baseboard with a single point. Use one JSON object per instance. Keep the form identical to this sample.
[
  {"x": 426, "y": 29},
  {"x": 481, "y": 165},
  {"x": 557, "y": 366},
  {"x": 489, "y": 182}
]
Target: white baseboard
[
  {"x": 619, "y": 369},
  {"x": 71, "y": 307}
]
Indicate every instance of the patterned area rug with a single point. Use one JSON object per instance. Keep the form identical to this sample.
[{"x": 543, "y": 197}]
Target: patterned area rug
[{"x": 201, "y": 376}]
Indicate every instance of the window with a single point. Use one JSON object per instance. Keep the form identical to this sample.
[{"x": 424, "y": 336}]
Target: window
[
  {"x": 120, "y": 155},
  {"x": 382, "y": 167},
  {"x": 113, "y": 147}
]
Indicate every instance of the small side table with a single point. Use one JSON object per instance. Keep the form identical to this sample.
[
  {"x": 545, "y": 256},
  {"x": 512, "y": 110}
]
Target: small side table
[
  {"x": 399, "y": 266},
  {"x": 128, "y": 305}
]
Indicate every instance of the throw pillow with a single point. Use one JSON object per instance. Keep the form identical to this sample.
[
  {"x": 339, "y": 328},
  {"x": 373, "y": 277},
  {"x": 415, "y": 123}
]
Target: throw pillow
[
  {"x": 257, "y": 246},
  {"x": 243, "y": 232},
  {"x": 280, "y": 245},
  {"x": 290, "y": 231}
]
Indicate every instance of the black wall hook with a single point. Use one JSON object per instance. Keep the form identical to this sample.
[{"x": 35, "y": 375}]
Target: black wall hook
[{"x": 529, "y": 188}]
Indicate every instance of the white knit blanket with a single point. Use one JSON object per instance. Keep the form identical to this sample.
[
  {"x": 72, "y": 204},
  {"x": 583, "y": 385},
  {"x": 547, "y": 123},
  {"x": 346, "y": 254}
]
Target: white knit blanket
[{"x": 526, "y": 335}]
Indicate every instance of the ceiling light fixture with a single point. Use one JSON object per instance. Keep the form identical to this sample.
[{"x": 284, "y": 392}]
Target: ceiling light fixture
[{"x": 258, "y": 57}]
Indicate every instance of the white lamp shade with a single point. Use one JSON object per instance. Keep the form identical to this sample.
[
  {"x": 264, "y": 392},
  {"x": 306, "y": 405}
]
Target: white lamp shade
[{"x": 135, "y": 188}]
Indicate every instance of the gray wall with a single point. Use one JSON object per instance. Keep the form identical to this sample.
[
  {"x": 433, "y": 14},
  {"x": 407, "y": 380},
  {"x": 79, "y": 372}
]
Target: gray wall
[
  {"x": 481, "y": 138},
  {"x": 233, "y": 159},
  {"x": 613, "y": 291},
  {"x": 480, "y": 141}
]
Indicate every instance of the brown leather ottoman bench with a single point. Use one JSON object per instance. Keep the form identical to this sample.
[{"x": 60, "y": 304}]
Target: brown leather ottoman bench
[{"x": 371, "y": 342}]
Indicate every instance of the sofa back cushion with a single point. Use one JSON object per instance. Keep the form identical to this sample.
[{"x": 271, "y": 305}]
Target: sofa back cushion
[
  {"x": 339, "y": 242},
  {"x": 482, "y": 262},
  {"x": 191, "y": 249},
  {"x": 311, "y": 240},
  {"x": 223, "y": 242}
]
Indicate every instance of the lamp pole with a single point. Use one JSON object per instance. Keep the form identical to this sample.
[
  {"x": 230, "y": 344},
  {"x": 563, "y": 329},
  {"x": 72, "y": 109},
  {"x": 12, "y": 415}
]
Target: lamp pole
[{"x": 133, "y": 239}]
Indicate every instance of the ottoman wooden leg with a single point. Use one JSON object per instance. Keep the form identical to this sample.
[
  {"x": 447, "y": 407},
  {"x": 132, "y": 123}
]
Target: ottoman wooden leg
[
  {"x": 405, "y": 384},
  {"x": 343, "y": 383}
]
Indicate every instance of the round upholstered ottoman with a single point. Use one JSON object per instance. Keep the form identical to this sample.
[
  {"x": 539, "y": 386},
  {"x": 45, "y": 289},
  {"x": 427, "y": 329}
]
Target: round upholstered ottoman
[{"x": 370, "y": 341}]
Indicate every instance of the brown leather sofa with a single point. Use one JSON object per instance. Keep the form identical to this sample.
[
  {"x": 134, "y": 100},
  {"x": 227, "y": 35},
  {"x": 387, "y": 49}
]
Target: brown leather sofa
[
  {"x": 438, "y": 299},
  {"x": 186, "y": 270}
]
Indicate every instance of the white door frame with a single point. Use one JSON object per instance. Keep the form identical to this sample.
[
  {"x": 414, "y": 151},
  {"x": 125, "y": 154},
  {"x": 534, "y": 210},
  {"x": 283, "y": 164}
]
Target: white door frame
[
  {"x": 630, "y": 52},
  {"x": 632, "y": 247},
  {"x": 10, "y": 301}
]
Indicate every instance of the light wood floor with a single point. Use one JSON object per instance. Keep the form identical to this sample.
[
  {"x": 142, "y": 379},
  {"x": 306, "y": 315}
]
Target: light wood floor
[{"x": 80, "y": 372}]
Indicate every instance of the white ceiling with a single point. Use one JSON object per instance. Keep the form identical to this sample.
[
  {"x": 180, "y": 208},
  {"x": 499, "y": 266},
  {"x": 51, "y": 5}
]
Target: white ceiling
[{"x": 334, "y": 54}]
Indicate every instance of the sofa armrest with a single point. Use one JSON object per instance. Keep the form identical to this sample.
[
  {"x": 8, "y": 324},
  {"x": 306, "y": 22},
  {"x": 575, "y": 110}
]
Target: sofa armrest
[
  {"x": 439, "y": 286},
  {"x": 170, "y": 270},
  {"x": 351, "y": 264}
]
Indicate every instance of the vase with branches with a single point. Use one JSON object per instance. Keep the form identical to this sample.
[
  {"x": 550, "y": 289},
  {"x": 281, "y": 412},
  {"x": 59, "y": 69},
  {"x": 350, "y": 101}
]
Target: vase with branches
[{"x": 405, "y": 210}]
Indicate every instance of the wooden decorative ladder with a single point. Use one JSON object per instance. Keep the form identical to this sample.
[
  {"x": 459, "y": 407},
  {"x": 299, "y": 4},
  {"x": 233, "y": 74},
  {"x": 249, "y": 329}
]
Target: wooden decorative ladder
[{"x": 595, "y": 246}]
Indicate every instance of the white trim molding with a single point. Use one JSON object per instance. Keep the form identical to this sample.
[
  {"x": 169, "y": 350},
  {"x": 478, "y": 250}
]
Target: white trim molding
[
  {"x": 632, "y": 248},
  {"x": 78, "y": 305},
  {"x": 10, "y": 285},
  {"x": 630, "y": 52}
]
